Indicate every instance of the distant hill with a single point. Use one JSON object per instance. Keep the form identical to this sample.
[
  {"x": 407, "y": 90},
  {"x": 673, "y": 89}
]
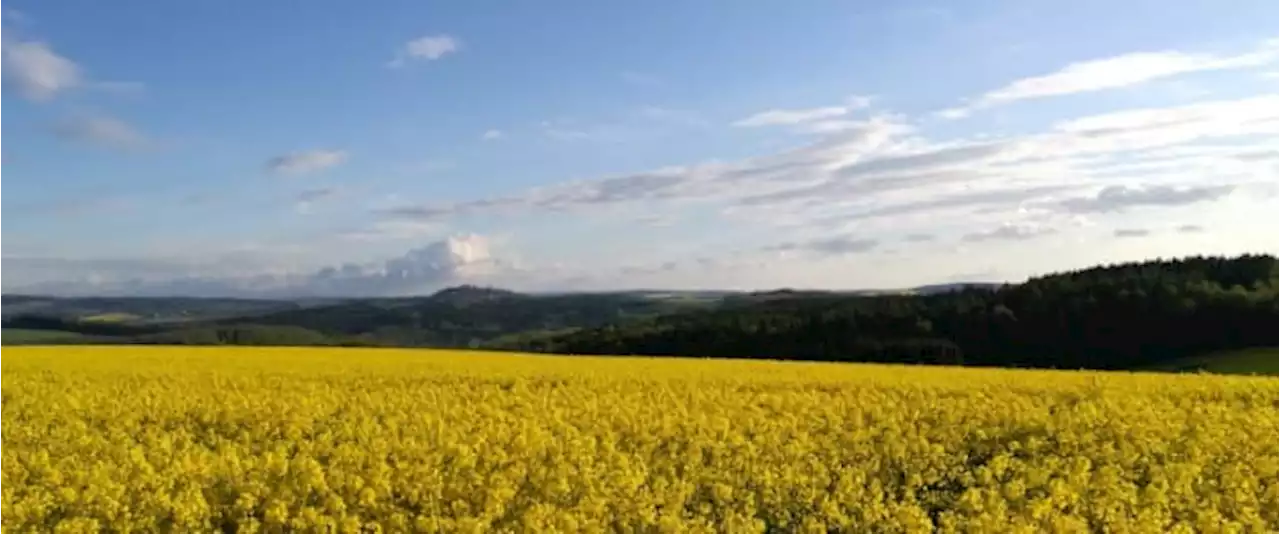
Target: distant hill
[
  {"x": 935, "y": 289},
  {"x": 139, "y": 309},
  {"x": 469, "y": 294},
  {"x": 469, "y": 316}
]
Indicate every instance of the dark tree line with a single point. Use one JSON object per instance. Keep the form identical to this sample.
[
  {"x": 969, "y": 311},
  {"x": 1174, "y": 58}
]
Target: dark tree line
[{"x": 1110, "y": 317}]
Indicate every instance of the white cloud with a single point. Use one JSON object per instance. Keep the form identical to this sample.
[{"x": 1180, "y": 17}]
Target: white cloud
[
  {"x": 38, "y": 72},
  {"x": 457, "y": 259},
  {"x": 1257, "y": 114},
  {"x": 1110, "y": 73},
  {"x": 306, "y": 162},
  {"x": 446, "y": 262},
  {"x": 1114, "y": 72},
  {"x": 491, "y": 134},
  {"x": 102, "y": 131},
  {"x": 955, "y": 113},
  {"x": 887, "y": 181},
  {"x": 775, "y": 117},
  {"x": 824, "y": 127},
  {"x": 428, "y": 48},
  {"x": 885, "y": 172},
  {"x": 818, "y": 121},
  {"x": 866, "y": 181}
]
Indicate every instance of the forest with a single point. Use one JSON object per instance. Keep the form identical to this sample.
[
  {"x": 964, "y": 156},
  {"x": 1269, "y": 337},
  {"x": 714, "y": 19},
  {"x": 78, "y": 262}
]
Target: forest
[{"x": 1108, "y": 317}]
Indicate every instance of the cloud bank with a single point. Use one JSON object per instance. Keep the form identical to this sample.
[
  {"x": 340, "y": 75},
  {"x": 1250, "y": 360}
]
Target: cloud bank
[{"x": 457, "y": 259}]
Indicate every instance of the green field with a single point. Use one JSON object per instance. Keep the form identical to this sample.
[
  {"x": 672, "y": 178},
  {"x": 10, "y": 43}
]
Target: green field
[
  {"x": 13, "y": 336},
  {"x": 1259, "y": 361},
  {"x": 111, "y": 317}
]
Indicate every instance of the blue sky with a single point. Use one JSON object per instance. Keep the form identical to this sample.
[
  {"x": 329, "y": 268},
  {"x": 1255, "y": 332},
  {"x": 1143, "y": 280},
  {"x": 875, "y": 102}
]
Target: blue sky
[{"x": 343, "y": 148}]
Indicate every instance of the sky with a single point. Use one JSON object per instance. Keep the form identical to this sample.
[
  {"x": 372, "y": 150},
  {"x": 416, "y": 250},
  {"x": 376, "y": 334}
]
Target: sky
[{"x": 336, "y": 148}]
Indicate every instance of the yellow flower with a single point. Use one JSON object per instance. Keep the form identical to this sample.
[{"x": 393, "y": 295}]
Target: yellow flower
[{"x": 354, "y": 440}]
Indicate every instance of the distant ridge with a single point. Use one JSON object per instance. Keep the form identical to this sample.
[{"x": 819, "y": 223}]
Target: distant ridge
[
  {"x": 470, "y": 294},
  {"x": 934, "y": 289}
]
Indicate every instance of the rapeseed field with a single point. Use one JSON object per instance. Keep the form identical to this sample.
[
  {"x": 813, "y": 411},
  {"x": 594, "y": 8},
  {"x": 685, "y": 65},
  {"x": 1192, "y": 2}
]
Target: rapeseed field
[{"x": 152, "y": 439}]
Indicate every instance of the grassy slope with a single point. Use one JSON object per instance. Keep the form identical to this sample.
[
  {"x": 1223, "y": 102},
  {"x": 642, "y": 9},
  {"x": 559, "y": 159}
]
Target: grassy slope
[
  {"x": 1261, "y": 361},
  {"x": 23, "y": 335}
]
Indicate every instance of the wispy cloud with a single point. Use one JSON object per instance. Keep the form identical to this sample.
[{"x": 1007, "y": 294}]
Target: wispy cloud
[
  {"x": 395, "y": 230},
  {"x": 307, "y": 198},
  {"x": 1131, "y": 232},
  {"x": 896, "y": 182},
  {"x": 426, "y": 48},
  {"x": 37, "y": 72},
  {"x": 1111, "y": 73},
  {"x": 834, "y": 246},
  {"x": 885, "y": 170},
  {"x": 1010, "y": 232},
  {"x": 820, "y": 120},
  {"x": 491, "y": 134},
  {"x": 13, "y": 15},
  {"x": 1190, "y": 229},
  {"x": 1120, "y": 198},
  {"x": 306, "y": 162},
  {"x": 102, "y": 131},
  {"x": 775, "y": 117}
]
